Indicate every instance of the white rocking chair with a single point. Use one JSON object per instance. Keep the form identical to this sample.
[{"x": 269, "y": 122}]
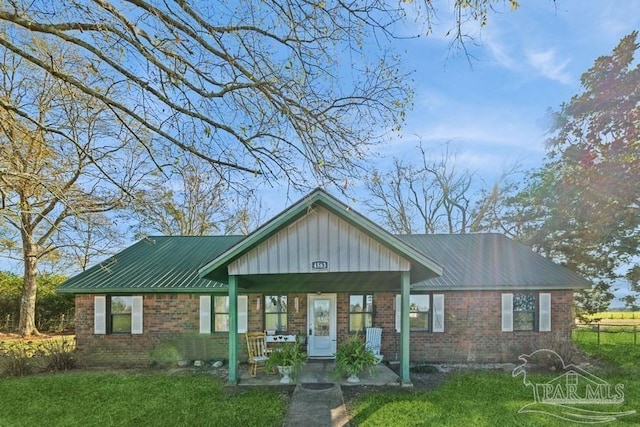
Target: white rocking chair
[{"x": 374, "y": 342}]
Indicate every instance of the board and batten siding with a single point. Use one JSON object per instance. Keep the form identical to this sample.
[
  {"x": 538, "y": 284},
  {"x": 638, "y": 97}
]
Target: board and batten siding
[{"x": 318, "y": 236}]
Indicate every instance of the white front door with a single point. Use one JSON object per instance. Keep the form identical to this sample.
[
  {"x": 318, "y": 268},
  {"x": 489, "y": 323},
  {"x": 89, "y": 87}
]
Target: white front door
[{"x": 321, "y": 325}]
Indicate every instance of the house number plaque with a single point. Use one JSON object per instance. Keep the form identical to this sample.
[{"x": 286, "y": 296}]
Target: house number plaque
[{"x": 319, "y": 265}]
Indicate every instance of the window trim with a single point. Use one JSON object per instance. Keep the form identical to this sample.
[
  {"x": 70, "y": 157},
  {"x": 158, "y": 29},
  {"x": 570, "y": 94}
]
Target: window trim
[
  {"x": 429, "y": 313},
  {"x": 286, "y": 312},
  {"x": 110, "y": 314},
  {"x": 361, "y": 313},
  {"x": 436, "y": 312},
  {"x": 206, "y": 314},
  {"x": 102, "y": 316},
  {"x": 535, "y": 311},
  {"x": 542, "y": 315}
]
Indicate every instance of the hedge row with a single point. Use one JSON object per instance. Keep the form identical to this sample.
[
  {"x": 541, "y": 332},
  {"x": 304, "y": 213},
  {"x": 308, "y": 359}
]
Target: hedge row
[{"x": 54, "y": 312}]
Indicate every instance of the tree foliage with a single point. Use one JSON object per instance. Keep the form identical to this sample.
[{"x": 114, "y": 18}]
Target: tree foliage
[
  {"x": 582, "y": 208},
  {"x": 57, "y": 152},
  {"x": 50, "y": 307},
  {"x": 190, "y": 202},
  {"x": 288, "y": 88},
  {"x": 431, "y": 196}
]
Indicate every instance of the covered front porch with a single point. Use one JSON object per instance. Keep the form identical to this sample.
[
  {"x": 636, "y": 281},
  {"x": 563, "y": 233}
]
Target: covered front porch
[
  {"x": 319, "y": 373},
  {"x": 319, "y": 250}
]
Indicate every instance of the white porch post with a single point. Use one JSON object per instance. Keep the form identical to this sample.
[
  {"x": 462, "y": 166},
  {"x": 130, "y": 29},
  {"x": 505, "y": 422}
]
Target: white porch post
[
  {"x": 233, "y": 330},
  {"x": 405, "y": 291}
]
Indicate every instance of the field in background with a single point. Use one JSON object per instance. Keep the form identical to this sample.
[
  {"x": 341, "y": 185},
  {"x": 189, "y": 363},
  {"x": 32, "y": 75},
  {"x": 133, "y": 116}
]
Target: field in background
[{"x": 616, "y": 317}]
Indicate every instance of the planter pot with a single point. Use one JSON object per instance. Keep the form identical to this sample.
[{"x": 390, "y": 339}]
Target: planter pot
[
  {"x": 353, "y": 379},
  {"x": 286, "y": 372}
]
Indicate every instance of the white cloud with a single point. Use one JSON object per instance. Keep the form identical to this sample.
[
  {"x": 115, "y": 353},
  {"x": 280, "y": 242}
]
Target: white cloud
[{"x": 549, "y": 66}]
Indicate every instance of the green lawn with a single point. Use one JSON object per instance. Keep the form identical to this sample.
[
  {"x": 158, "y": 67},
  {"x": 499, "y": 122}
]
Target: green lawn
[
  {"x": 128, "y": 399},
  {"x": 155, "y": 398},
  {"x": 494, "y": 398}
]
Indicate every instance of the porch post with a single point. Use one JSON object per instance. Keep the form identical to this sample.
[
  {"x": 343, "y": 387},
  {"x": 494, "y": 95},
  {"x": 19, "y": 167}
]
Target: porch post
[
  {"x": 233, "y": 330},
  {"x": 405, "y": 291}
]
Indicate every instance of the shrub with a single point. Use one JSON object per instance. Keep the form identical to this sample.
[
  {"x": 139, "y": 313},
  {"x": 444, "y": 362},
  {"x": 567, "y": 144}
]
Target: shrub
[
  {"x": 165, "y": 354},
  {"x": 59, "y": 355},
  {"x": 16, "y": 359}
]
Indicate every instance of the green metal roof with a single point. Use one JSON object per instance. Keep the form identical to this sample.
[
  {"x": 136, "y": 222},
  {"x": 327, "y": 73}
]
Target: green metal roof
[
  {"x": 422, "y": 266},
  {"x": 438, "y": 262},
  {"x": 471, "y": 261},
  {"x": 154, "y": 264},
  {"x": 490, "y": 261}
]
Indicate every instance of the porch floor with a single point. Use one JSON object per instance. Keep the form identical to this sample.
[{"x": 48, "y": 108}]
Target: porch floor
[{"x": 321, "y": 372}]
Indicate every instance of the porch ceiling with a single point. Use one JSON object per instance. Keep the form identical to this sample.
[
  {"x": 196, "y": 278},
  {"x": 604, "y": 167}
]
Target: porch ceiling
[{"x": 322, "y": 282}]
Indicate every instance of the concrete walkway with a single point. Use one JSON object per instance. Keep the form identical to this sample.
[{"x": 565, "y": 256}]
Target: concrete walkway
[
  {"x": 317, "y": 400},
  {"x": 313, "y": 406}
]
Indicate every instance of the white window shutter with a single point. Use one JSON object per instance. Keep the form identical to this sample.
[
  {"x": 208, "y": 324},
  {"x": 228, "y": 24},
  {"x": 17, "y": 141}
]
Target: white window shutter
[
  {"x": 398, "y": 313},
  {"x": 243, "y": 305},
  {"x": 136, "y": 314},
  {"x": 545, "y": 313},
  {"x": 438, "y": 313},
  {"x": 205, "y": 314},
  {"x": 100, "y": 315},
  {"x": 507, "y": 312}
]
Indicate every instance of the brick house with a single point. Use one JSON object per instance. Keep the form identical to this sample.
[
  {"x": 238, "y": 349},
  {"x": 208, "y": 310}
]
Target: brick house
[{"x": 321, "y": 271}]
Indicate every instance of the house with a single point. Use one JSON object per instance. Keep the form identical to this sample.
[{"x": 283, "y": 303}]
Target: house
[{"x": 322, "y": 271}]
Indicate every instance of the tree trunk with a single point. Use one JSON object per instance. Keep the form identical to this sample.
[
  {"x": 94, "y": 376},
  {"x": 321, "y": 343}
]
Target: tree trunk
[{"x": 27, "y": 325}]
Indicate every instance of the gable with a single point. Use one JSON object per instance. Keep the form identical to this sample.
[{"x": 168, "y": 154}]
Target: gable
[
  {"x": 367, "y": 253},
  {"x": 320, "y": 241}
]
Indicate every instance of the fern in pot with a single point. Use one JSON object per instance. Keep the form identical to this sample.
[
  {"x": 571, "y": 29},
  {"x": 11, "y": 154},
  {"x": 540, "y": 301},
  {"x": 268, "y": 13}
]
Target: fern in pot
[
  {"x": 287, "y": 358},
  {"x": 352, "y": 358}
]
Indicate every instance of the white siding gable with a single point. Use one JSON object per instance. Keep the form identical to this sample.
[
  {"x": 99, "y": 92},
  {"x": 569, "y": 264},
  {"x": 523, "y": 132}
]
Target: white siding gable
[{"x": 318, "y": 236}]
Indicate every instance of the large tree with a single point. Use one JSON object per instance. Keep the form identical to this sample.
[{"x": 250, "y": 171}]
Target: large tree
[
  {"x": 582, "y": 207},
  {"x": 186, "y": 201},
  {"x": 427, "y": 196},
  {"x": 286, "y": 88},
  {"x": 56, "y": 147}
]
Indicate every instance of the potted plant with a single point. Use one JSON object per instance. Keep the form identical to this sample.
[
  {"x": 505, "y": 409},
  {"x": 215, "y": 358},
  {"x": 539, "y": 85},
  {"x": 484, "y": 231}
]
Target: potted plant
[
  {"x": 287, "y": 358},
  {"x": 352, "y": 358}
]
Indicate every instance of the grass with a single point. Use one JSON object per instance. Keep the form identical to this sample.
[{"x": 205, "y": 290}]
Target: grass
[
  {"x": 494, "y": 398},
  {"x": 128, "y": 399},
  {"x": 616, "y": 349},
  {"x": 609, "y": 335},
  {"x": 159, "y": 399}
]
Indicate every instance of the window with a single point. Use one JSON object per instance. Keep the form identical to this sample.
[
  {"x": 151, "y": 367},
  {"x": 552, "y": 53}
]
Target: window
[
  {"x": 120, "y": 309},
  {"x": 524, "y": 312},
  {"x": 275, "y": 313},
  {"x": 118, "y": 314},
  {"x": 419, "y": 308},
  {"x": 221, "y": 314},
  {"x": 426, "y": 312},
  {"x": 360, "y": 312},
  {"x": 214, "y": 313}
]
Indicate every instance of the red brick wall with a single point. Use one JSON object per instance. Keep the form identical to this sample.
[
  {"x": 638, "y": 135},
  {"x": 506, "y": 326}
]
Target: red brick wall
[
  {"x": 473, "y": 323},
  {"x": 472, "y": 329}
]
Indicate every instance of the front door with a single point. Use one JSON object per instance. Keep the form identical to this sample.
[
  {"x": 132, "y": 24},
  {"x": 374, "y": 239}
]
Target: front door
[{"x": 321, "y": 325}]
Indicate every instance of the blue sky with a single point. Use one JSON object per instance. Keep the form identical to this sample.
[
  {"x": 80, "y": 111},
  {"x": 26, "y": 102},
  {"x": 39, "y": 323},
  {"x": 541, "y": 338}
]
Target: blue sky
[{"x": 493, "y": 110}]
